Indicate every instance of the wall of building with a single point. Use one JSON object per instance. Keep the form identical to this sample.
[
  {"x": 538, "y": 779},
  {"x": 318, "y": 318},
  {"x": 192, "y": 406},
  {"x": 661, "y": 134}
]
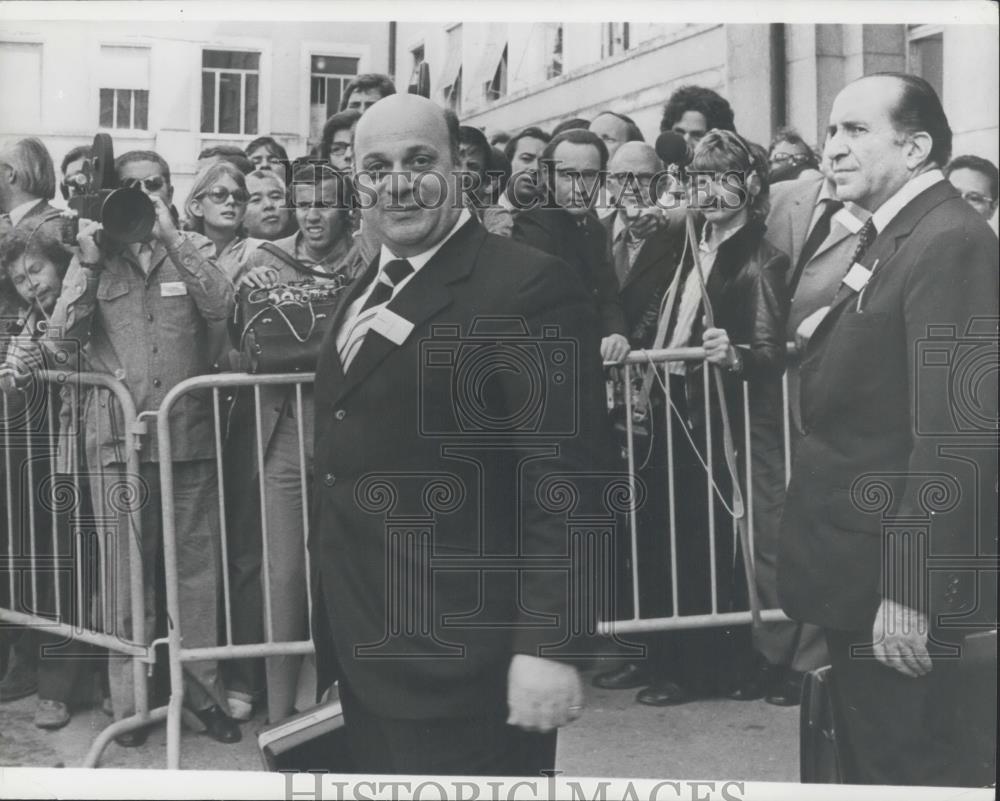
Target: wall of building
[{"x": 67, "y": 114}]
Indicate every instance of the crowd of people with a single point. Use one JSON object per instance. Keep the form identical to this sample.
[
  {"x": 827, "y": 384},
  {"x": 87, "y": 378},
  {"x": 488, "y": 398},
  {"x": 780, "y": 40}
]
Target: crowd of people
[{"x": 625, "y": 270}]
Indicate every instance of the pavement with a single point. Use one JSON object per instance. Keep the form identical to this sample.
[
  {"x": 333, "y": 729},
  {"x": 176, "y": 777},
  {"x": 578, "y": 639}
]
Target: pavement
[{"x": 615, "y": 737}]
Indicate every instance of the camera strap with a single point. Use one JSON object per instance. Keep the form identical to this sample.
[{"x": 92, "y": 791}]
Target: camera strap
[{"x": 292, "y": 262}]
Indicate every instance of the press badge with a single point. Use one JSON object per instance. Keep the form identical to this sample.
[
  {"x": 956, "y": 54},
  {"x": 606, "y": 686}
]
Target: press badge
[
  {"x": 857, "y": 277},
  {"x": 173, "y": 289},
  {"x": 393, "y": 327}
]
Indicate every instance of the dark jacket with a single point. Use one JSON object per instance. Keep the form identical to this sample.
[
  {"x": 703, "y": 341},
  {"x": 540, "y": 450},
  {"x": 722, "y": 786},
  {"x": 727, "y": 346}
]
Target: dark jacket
[
  {"x": 420, "y": 473},
  {"x": 582, "y": 244},
  {"x": 749, "y": 300},
  {"x": 899, "y": 433},
  {"x": 641, "y": 293}
]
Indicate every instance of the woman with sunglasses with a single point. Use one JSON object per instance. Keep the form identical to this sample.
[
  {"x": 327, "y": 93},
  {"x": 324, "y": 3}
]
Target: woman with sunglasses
[
  {"x": 216, "y": 207},
  {"x": 742, "y": 277}
]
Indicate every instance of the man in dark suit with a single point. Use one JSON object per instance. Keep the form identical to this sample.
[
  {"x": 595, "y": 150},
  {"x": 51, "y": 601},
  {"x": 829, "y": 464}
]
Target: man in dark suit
[
  {"x": 566, "y": 227},
  {"x": 898, "y": 456},
  {"x": 427, "y": 470},
  {"x": 819, "y": 232},
  {"x": 27, "y": 181}
]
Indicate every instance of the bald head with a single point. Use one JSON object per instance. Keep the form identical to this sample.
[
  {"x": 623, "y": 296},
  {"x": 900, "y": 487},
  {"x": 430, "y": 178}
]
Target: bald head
[
  {"x": 402, "y": 115},
  {"x": 405, "y": 157},
  {"x": 635, "y": 157}
]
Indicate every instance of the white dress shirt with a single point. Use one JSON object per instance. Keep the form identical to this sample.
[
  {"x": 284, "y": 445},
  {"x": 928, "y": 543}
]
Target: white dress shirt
[
  {"x": 885, "y": 213},
  {"x": 18, "y": 212}
]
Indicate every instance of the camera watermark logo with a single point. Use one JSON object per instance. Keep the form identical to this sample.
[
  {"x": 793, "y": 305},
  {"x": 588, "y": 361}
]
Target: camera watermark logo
[{"x": 498, "y": 379}]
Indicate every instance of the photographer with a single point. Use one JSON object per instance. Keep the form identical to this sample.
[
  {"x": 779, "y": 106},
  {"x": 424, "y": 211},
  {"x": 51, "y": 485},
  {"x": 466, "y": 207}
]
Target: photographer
[{"x": 144, "y": 310}]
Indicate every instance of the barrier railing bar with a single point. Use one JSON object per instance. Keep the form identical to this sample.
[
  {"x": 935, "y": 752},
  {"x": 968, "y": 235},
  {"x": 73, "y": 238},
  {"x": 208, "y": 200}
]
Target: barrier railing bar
[
  {"x": 223, "y": 532},
  {"x": 265, "y": 550}
]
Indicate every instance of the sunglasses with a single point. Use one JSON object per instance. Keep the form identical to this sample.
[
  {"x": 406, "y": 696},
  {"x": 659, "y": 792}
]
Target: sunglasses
[
  {"x": 152, "y": 183},
  {"x": 220, "y": 194}
]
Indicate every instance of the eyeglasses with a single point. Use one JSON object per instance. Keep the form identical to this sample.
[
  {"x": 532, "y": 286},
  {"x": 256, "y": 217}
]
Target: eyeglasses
[
  {"x": 220, "y": 194},
  {"x": 152, "y": 183},
  {"x": 976, "y": 199},
  {"x": 781, "y": 158},
  {"x": 339, "y": 148}
]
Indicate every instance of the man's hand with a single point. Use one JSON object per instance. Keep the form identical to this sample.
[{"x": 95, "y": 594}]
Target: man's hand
[
  {"x": 614, "y": 348},
  {"x": 718, "y": 350},
  {"x": 11, "y": 380},
  {"x": 542, "y": 694},
  {"x": 899, "y": 637},
  {"x": 86, "y": 238},
  {"x": 807, "y": 327},
  {"x": 260, "y": 277},
  {"x": 164, "y": 228},
  {"x": 649, "y": 221}
]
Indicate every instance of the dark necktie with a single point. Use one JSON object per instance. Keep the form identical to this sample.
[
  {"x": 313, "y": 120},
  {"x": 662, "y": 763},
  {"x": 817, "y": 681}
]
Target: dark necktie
[
  {"x": 393, "y": 272},
  {"x": 817, "y": 236},
  {"x": 866, "y": 236}
]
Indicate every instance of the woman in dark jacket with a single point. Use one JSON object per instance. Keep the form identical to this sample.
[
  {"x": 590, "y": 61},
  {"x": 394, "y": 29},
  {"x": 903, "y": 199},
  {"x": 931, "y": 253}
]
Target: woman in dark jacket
[
  {"x": 744, "y": 278},
  {"x": 565, "y": 227}
]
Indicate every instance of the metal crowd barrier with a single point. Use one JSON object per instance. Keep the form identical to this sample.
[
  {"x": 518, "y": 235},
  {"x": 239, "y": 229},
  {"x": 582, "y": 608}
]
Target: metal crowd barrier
[
  {"x": 48, "y": 483},
  {"x": 227, "y": 648}
]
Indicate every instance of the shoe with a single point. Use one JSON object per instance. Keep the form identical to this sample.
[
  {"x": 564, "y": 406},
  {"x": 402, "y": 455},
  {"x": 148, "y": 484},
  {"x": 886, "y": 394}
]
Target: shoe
[
  {"x": 132, "y": 739},
  {"x": 627, "y": 677},
  {"x": 753, "y": 684},
  {"x": 51, "y": 714},
  {"x": 663, "y": 693},
  {"x": 240, "y": 706},
  {"x": 218, "y": 725},
  {"x": 787, "y": 689},
  {"x": 20, "y": 682}
]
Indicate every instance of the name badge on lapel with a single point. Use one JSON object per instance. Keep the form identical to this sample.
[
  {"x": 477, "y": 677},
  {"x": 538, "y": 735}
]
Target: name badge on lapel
[
  {"x": 173, "y": 289},
  {"x": 857, "y": 277},
  {"x": 393, "y": 327}
]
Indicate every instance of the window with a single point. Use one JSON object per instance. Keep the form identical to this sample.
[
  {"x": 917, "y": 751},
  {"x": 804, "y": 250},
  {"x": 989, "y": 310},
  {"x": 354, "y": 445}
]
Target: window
[
  {"x": 496, "y": 87},
  {"x": 328, "y": 77},
  {"x": 553, "y": 50},
  {"x": 21, "y": 99},
  {"x": 450, "y": 79},
  {"x": 230, "y": 84},
  {"x": 925, "y": 55},
  {"x": 418, "y": 59},
  {"x": 123, "y": 78},
  {"x": 615, "y": 39}
]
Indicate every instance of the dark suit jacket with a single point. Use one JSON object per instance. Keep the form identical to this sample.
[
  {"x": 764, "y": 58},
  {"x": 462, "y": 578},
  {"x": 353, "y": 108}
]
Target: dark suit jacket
[
  {"x": 885, "y": 424},
  {"x": 409, "y": 446},
  {"x": 642, "y": 290},
  {"x": 584, "y": 247}
]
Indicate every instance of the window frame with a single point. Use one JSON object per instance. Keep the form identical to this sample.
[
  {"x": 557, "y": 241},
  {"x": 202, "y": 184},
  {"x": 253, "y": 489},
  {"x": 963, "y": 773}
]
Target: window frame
[{"x": 243, "y": 73}]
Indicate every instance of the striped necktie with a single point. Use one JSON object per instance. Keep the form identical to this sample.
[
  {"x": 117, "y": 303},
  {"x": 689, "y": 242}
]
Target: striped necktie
[{"x": 388, "y": 278}]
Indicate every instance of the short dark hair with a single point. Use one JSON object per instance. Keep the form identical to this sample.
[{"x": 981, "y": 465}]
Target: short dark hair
[
  {"x": 500, "y": 166},
  {"x": 133, "y": 156},
  {"x": 531, "y": 132},
  {"x": 43, "y": 237},
  {"x": 342, "y": 120},
  {"x": 572, "y": 124},
  {"x": 308, "y": 171},
  {"x": 77, "y": 153},
  {"x": 793, "y": 137},
  {"x": 711, "y": 105},
  {"x": 633, "y": 134},
  {"x": 371, "y": 80},
  {"x": 919, "y": 109},
  {"x": 234, "y": 155},
  {"x": 471, "y": 135},
  {"x": 454, "y": 132},
  {"x": 273, "y": 146},
  {"x": 577, "y": 136},
  {"x": 977, "y": 164},
  {"x": 499, "y": 139}
]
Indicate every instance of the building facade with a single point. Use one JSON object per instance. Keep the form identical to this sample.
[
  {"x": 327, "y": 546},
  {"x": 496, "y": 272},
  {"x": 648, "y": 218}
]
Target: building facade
[
  {"x": 505, "y": 76},
  {"x": 179, "y": 87}
]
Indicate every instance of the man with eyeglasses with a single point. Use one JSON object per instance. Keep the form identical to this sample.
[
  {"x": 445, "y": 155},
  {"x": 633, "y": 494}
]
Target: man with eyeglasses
[
  {"x": 144, "y": 311},
  {"x": 791, "y": 158},
  {"x": 976, "y": 179},
  {"x": 74, "y": 180}
]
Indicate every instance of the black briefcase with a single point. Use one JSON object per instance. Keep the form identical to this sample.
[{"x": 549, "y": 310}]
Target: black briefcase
[
  {"x": 821, "y": 745},
  {"x": 312, "y": 740}
]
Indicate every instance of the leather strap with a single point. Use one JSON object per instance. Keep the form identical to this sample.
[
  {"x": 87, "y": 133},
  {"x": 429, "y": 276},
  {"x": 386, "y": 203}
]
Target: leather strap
[{"x": 291, "y": 261}]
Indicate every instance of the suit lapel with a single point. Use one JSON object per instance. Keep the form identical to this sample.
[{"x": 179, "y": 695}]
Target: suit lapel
[
  {"x": 329, "y": 354},
  {"x": 422, "y": 297},
  {"x": 653, "y": 249},
  {"x": 885, "y": 246}
]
